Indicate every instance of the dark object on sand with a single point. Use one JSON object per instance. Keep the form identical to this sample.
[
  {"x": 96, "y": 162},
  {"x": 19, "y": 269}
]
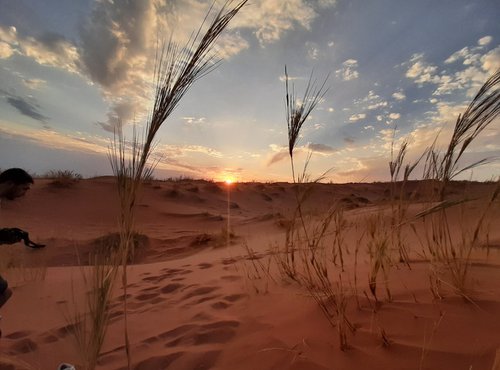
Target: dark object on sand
[{"x": 15, "y": 235}]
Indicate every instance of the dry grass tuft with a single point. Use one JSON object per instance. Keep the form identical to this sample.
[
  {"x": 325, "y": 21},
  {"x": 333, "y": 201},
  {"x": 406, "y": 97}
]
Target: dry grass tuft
[
  {"x": 449, "y": 253},
  {"x": 63, "y": 178},
  {"x": 89, "y": 325}
]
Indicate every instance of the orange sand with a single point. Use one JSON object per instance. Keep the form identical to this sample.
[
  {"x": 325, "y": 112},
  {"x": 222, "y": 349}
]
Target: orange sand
[{"x": 195, "y": 303}]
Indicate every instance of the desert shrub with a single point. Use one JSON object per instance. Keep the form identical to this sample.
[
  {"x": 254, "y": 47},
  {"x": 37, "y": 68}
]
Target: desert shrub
[
  {"x": 110, "y": 243},
  {"x": 63, "y": 178}
]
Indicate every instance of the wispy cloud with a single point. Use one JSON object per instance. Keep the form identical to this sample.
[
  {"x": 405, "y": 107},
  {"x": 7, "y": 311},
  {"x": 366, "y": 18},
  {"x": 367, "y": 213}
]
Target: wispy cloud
[
  {"x": 357, "y": 117},
  {"x": 399, "y": 95},
  {"x": 278, "y": 153},
  {"x": 321, "y": 148},
  {"x": 476, "y": 65},
  {"x": 78, "y": 142},
  {"x": 34, "y": 83},
  {"x": 313, "y": 50},
  {"x": 420, "y": 71},
  {"x": 348, "y": 71},
  {"x": 176, "y": 151},
  {"x": 48, "y": 49},
  {"x": 371, "y": 102},
  {"x": 270, "y": 19},
  {"x": 193, "y": 121},
  {"x": 27, "y": 107}
]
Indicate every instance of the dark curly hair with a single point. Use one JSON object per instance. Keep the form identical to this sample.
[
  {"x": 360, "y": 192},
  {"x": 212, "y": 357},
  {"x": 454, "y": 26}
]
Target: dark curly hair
[{"x": 16, "y": 175}]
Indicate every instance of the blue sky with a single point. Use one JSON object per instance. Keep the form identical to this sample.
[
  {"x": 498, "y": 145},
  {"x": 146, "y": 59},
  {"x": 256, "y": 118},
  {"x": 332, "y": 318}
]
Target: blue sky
[{"x": 70, "y": 70}]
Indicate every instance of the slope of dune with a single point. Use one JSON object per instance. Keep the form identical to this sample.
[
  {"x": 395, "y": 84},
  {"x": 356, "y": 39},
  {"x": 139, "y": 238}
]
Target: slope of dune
[{"x": 198, "y": 302}]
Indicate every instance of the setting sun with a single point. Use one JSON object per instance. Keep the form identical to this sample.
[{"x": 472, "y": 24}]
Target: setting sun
[{"x": 229, "y": 181}]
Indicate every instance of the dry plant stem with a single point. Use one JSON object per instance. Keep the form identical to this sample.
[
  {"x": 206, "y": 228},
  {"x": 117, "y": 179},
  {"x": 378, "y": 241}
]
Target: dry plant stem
[
  {"x": 428, "y": 343},
  {"x": 310, "y": 236},
  {"x": 378, "y": 250},
  {"x": 89, "y": 329},
  {"x": 441, "y": 169},
  {"x": 399, "y": 204},
  {"x": 483, "y": 109},
  {"x": 176, "y": 70}
]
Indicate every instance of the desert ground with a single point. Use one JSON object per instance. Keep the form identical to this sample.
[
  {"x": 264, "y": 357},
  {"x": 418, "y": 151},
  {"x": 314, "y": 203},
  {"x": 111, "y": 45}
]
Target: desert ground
[{"x": 198, "y": 300}]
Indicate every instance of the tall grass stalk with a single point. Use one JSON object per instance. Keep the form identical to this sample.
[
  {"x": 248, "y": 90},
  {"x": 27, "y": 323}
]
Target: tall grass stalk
[
  {"x": 305, "y": 258},
  {"x": 446, "y": 251},
  {"x": 378, "y": 250},
  {"x": 176, "y": 70},
  {"x": 398, "y": 197},
  {"x": 89, "y": 326}
]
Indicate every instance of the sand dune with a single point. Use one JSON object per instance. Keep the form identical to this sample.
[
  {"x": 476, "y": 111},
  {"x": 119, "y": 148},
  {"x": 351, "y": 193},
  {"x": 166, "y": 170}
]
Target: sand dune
[{"x": 196, "y": 303}]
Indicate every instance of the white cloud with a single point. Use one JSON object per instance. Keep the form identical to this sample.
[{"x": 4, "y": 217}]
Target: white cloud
[
  {"x": 312, "y": 50},
  {"x": 420, "y": 71},
  {"x": 490, "y": 62},
  {"x": 48, "y": 49},
  {"x": 193, "y": 120},
  {"x": 327, "y": 3},
  {"x": 357, "y": 117},
  {"x": 380, "y": 118},
  {"x": 394, "y": 115},
  {"x": 270, "y": 19},
  {"x": 377, "y": 105},
  {"x": 484, "y": 40},
  {"x": 330, "y": 109},
  {"x": 34, "y": 83},
  {"x": 6, "y": 51},
  {"x": 370, "y": 97},
  {"x": 183, "y": 150},
  {"x": 399, "y": 95},
  {"x": 51, "y": 139},
  {"x": 477, "y": 64},
  {"x": 460, "y": 54},
  {"x": 371, "y": 101},
  {"x": 348, "y": 71},
  {"x": 230, "y": 44}
]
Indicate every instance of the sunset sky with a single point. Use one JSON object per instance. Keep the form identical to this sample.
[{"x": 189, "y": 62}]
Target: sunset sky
[{"x": 72, "y": 70}]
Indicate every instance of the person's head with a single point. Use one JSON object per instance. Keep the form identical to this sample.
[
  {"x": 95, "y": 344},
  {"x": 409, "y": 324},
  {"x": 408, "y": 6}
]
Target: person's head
[{"x": 14, "y": 183}]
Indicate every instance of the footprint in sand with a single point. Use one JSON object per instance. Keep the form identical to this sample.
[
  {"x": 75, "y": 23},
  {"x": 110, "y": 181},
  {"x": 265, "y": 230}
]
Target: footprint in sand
[
  {"x": 231, "y": 277},
  {"x": 200, "y": 291},
  {"x": 158, "y": 362},
  {"x": 218, "y": 332},
  {"x": 204, "y": 265},
  {"x": 65, "y": 330},
  {"x": 146, "y": 296},
  {"x": 25, "y": 345},
  {"x": 222, "y": 305},
  {"x": 170, "y": 288},
  {"x": 18, "y": 335},
  {"x": 199, "y": 361},
  {"x": 235, "y": 297},
  {"x": 49, "y": 338},
  {"x": 167, "y": 273}
]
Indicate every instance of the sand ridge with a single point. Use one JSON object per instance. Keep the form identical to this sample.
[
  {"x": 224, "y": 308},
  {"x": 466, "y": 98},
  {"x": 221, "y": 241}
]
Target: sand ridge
[{"x": 195, "y": 303}]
